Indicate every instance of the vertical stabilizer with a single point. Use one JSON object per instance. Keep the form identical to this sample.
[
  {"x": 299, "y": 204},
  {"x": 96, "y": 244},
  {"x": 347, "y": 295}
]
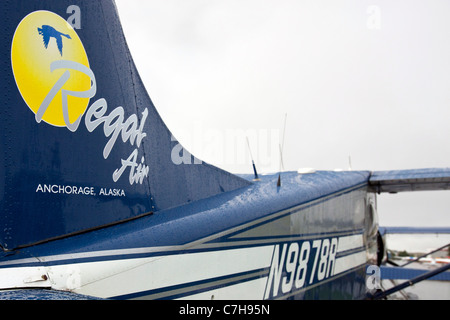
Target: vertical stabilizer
[{"x": 81, "y": 144}]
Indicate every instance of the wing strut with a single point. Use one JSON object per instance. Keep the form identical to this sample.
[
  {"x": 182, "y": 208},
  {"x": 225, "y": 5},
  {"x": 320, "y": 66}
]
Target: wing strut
[{"x": 425, "y": 276}]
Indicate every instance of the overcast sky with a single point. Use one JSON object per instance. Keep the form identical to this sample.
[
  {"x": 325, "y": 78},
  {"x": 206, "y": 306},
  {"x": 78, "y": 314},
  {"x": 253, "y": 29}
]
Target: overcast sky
[{"x": 364, "y": 83}]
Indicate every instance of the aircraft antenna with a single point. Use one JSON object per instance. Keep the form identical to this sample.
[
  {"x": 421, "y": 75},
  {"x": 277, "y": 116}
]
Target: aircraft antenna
[
  {"x": 281, "y": 146},
  {"x": 253, "y": 162},
  {"x": 281, "y": 162},
  {"x": 282, "y": 143}
]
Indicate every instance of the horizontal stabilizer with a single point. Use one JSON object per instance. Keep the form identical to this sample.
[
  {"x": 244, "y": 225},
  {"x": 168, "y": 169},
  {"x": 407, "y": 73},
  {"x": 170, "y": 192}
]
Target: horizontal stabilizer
[
  {"x": 42, "y": 294},
  {"x": 410, "y": 180}
]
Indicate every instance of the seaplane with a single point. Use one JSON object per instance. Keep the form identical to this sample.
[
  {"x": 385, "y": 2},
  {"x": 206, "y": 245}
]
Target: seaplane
[{"x": 98, "y": 200}]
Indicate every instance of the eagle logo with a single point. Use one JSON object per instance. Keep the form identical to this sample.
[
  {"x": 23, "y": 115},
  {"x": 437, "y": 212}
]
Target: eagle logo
[{"x": 48, "y": 32}]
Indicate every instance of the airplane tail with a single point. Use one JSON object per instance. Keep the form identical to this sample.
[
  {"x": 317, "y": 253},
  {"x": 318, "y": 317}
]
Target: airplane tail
[{"x": 82, "y": 145}]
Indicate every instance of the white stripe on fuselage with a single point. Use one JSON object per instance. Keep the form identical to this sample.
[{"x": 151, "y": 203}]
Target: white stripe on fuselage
[
  {"x": 113, "y": 278},
  {"x": 121, "y": 277}
]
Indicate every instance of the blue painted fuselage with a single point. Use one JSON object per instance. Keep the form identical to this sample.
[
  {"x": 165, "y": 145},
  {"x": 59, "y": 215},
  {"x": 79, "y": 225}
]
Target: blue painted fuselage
[{"x": 315, "y": 236}]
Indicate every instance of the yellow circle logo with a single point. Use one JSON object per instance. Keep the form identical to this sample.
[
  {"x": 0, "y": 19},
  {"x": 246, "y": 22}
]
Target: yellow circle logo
[{"x": 50, "y": 66}]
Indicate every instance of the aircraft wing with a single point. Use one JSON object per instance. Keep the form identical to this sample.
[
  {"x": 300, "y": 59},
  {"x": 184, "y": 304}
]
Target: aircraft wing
[{"x": 410, "y": 180}]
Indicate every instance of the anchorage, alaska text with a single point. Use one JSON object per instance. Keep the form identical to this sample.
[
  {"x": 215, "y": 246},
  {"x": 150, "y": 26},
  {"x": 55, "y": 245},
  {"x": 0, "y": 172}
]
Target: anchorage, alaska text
[{"x": 77, "y": 190}]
